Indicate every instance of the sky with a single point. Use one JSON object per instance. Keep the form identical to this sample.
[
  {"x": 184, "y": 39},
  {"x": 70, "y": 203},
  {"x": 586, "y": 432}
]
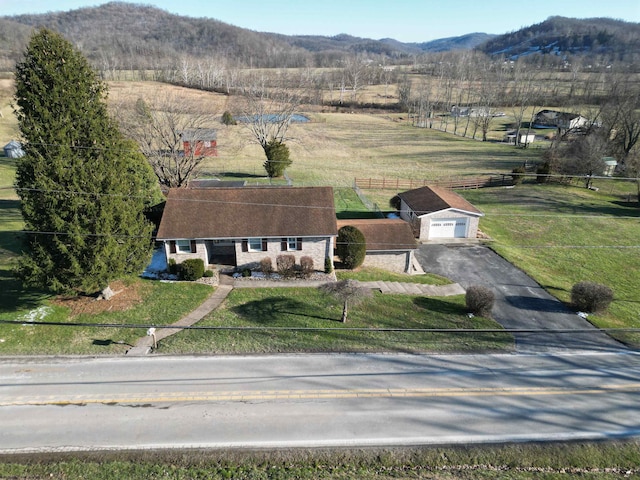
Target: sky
[{"x": 403, "y": 20}]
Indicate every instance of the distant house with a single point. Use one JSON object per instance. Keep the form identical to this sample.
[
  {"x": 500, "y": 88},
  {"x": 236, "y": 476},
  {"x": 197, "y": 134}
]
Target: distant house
[
  {"x": 439, "y": 213},
  {"x": 200, "y": 142},
  {"x": 241, "y": 226},
  {"x": 525, "y": 138},
  {"x": 610, "y": 165},
  {"x": 473, "y": 112},
  {"x": 13, "y": 149},
  {"x": 561, "y": 120},
  {"x": 390, "y": 243}
]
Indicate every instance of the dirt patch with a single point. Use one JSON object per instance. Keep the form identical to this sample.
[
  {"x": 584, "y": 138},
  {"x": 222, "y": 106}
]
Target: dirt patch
[{"x": 127, "y": 296}]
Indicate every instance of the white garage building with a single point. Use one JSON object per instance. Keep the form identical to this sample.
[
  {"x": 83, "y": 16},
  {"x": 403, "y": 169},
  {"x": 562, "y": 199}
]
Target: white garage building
[{"x": 439, "y": 213}]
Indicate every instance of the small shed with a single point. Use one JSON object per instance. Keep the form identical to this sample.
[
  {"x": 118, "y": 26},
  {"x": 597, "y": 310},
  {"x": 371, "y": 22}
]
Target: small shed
[
  {"x": 437, "y": 213},
  {"x": 200, "y": 142},
  {"x": 13, "y": 149},
  {"x": 390, "y": 242},
  {"x": 610, "y": 165}
]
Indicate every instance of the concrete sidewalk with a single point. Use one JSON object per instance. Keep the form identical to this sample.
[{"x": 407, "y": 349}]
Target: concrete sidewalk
[
  {"x": 145, "y": 344},
  {"x": 415, "y": 288}
]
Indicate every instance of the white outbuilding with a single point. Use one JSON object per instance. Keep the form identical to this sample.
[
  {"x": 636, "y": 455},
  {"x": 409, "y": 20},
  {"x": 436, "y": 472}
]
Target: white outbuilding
[{"x": 437, "y": 213}]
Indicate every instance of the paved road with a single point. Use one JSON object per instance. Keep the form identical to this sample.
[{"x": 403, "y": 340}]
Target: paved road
[
  {"x": 520, "y": 302},
  {"x": 314, "y": 400}
]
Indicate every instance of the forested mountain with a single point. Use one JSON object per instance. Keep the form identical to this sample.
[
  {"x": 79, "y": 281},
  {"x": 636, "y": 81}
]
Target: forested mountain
[
  {"x": 613, "y": 39},
  {"x": 120, "y": 35}
]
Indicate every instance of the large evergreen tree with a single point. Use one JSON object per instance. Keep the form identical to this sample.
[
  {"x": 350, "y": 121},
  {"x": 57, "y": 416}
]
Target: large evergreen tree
[{"x": 83, "y": 186}]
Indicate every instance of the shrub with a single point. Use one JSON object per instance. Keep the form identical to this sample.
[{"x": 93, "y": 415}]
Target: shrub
[
  {"x": 278, "y": 159},
  {"x": 591, "y": 297},
  {"x": 286, "y": 265},
  {"x": 479, "y": 300},
  {"x": 266, "y": 266},
  {"x": 543, "y": 171},
  {"x": 228, "y": 119},
  {"x": 328, "y": 265},
  {"x": 208, "y": 273},
  {"x": 306, "y": 264},
  {"x": 518, "y": 175},
  {"x": 246, "y": 272},
  {"x": 173, "y": 266},
  {"x": 192, "y": 269},
  {"x": 351, "y": 247}
]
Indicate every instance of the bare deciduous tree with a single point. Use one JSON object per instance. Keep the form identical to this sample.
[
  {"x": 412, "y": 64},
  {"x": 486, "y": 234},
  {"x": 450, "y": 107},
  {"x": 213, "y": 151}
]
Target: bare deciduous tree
[
  {"x": 267, "y": 107},
  {"x": 158, "y": 126},
  {"x": 347, "y": 291}
]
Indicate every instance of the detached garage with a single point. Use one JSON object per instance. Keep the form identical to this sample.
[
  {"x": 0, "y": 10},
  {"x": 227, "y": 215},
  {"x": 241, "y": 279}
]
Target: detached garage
[{"x": 438, "y": 213}]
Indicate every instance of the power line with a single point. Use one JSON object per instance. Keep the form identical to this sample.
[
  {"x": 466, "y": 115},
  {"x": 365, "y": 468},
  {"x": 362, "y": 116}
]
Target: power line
[{"x": 320, "y": 329}]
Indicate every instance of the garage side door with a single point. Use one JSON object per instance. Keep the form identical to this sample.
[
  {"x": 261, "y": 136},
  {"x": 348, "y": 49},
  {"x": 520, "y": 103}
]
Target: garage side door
[{"x": 448, "y": 228}]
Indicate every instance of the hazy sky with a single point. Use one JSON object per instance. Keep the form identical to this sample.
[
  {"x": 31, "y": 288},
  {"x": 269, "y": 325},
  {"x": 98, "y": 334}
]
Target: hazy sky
[{"x": 404, "y": 20}]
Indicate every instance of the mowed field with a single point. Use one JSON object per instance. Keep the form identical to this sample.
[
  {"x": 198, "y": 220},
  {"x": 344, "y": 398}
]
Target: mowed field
[{"x": 334, "y": 148}]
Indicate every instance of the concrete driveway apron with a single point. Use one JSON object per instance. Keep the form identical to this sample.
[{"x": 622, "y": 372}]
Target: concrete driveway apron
[{"x": 520, "y": 302}]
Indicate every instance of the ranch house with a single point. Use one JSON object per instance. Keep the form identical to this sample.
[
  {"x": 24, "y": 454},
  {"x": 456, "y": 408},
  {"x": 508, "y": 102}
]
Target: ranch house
[{"x": 241, "y": 226}]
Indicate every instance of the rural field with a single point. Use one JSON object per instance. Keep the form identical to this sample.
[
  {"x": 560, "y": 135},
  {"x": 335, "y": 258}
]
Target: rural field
[{"x": 559, "y": 234}]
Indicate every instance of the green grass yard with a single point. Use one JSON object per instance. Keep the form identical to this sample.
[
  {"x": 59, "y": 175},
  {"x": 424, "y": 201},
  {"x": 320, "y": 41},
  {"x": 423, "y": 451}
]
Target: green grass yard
[{"x": 309, "y": 308}]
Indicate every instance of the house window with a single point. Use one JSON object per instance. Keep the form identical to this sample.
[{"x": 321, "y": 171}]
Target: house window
[
  {"x": 292, "y": 243},
  {"x": 185, "y": 246},
  {"x": 256, "y": 245}
]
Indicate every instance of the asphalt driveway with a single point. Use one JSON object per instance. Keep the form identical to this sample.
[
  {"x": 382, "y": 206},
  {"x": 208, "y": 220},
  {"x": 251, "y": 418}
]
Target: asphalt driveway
[{"x": 520, "y": 302}]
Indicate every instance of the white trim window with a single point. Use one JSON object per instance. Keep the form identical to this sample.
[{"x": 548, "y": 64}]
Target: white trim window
[
  {"x": 255, "y": 244},
  {"x": 183, "y": 246},
  {"x": 292, "y": 244}
]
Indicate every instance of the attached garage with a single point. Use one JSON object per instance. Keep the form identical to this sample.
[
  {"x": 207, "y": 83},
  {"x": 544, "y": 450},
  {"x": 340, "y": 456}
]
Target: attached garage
[
  {"x": 390, "y": 243},
  {"x": 437, "y": 213}
]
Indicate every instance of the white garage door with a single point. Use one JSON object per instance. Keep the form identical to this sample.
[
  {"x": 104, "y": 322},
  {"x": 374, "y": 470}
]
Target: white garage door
[{"x": 448, "y": 228}]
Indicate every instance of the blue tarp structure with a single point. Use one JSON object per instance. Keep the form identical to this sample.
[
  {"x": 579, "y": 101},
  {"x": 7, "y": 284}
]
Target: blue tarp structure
[{"x": 13, "y": 149}]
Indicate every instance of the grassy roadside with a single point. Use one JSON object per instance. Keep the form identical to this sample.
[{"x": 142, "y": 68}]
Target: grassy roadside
[
  {"x": 596, "y": 461},
  {"x": 563, "y": 235},
  {"x": 309, "y": 308}
]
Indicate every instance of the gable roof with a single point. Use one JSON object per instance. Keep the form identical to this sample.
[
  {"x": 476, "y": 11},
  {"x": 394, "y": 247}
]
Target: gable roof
[
  {"x": 248, "y": 212},
  {"x": 430, "y": 199},
  {"x": 383, "y": 234},
  {"x": 198, "y": 134}
]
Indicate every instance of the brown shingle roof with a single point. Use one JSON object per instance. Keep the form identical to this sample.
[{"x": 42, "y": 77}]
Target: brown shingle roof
[
  {"x": 431, "y": 199},
  {"x": 248, "y": 212},
  {"x": 384, "y": 233}
]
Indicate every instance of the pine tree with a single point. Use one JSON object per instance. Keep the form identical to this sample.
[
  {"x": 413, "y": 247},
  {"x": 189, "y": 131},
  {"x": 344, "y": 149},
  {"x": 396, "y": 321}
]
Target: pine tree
[{"x": 83, "y": 186}]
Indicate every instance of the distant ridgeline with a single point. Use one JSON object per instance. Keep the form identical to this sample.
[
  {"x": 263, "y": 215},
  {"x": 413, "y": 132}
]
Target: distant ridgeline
[{"x": 125, "y": 36}]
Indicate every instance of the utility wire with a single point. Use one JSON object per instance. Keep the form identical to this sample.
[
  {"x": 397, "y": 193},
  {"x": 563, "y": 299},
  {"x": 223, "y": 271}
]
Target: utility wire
[{"x": 320, "y": 329}]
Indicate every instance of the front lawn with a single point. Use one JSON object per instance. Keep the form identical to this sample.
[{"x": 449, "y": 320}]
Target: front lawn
[
  {"x": 563, "y": 235},
  {"x": 154, "y": 303},
  {"x": 309, "y": 308}
]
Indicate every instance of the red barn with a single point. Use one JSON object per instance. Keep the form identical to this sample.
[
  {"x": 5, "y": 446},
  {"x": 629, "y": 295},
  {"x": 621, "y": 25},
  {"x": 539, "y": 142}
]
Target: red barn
[{"x": 200, "y": 142}]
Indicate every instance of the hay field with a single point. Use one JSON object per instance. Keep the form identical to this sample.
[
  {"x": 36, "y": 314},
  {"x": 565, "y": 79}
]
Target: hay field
[{"x": 333, "y": 149}]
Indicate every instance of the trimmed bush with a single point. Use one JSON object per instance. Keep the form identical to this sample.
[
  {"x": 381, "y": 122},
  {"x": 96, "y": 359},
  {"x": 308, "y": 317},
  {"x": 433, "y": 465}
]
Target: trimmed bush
[
  {"x": 192, "y": 269},
  {"x": 306, "y": 265},
  {"x": 173, "y": 266},
  {"x": 228, "y": 119},
  {"x": 286, "y": 265},
  {"x": 208, "y": 274},
  {"x": 479, "y": 300},
  {"x": 517, "y": 174},
  {"x": 542, "y": 172},
  {"x": 328, "y": 265},
  {"x": 266, "y": 266},
  {"x": 351, "y": 247},
  {"x": 591, "y": 297}
]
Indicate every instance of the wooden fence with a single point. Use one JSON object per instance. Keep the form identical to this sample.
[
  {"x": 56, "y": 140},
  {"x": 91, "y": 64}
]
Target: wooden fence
[{"x": 451, "y": 182}]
